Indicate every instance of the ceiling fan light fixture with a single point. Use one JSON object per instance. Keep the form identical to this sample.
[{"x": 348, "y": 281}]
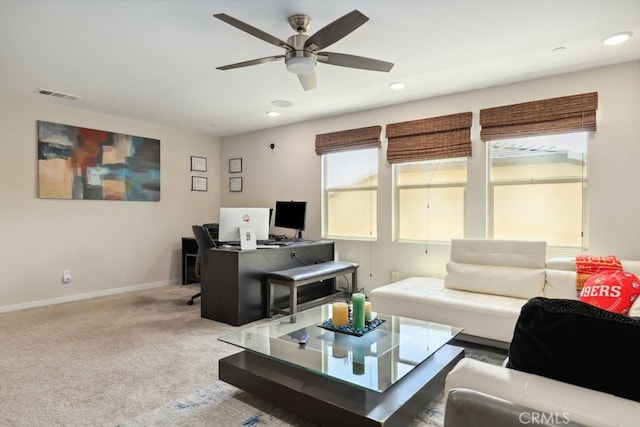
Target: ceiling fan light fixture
[{"x": 301, "y": 65}]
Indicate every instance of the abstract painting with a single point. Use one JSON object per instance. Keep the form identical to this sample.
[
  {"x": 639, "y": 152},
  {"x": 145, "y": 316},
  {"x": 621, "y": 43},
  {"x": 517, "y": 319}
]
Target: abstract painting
[{"x": 81, "y": 163}]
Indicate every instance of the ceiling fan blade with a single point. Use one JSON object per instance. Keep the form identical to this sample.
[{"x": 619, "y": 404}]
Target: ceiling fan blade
[
  {"x": 353, "y": 61},
  {"x": 336, "y": 30},
  {"x": 253, "y": 30},
  {"x": 308, "y": 81},
  {"x": 252, "y": 62}
]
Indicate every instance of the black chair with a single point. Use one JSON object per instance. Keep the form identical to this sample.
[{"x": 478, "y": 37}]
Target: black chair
[
  {"x": 213, "y": 229},
  {"x": 205, "y": 241}
]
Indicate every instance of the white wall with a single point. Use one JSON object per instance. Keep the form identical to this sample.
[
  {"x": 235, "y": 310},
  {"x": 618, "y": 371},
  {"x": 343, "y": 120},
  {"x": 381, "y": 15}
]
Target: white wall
[
  {"x": 106, "y": 244},
  {"x": 292, "y": 171},
  {"x": 113, "y": 245}
]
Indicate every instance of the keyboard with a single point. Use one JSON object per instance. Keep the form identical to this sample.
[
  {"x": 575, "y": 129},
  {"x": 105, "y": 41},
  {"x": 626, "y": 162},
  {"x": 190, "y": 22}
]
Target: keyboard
[
  {"x": 276, "y": 243},
  {"x": 268, "y": 242}
]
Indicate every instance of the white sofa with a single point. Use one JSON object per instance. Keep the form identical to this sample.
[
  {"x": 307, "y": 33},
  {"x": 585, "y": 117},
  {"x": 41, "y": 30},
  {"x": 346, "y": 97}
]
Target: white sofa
[{"x": 487, "y": 283}]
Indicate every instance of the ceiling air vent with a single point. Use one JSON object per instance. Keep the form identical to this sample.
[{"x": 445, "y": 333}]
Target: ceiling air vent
[{"x": 58, "y": 94}]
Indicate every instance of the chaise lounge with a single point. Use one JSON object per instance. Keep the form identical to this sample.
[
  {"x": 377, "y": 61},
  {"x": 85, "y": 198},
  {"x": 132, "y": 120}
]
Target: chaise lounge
[{"x": 487, "y": 283}]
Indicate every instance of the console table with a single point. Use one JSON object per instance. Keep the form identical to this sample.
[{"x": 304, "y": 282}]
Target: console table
[{"x": 234, "y": 283}]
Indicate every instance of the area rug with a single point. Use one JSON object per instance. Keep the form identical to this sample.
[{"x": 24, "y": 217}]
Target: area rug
[{"x": 221, "y": 404}]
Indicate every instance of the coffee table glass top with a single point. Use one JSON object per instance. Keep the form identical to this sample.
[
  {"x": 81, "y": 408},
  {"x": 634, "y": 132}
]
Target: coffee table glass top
[{"x": 374, "y": 361}]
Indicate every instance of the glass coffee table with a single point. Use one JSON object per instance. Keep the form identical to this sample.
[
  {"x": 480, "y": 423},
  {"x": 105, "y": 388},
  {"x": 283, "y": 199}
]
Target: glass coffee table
[{"x": 385, "y": 377}]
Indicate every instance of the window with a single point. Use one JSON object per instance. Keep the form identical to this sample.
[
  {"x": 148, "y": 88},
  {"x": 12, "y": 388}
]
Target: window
[
  {"x": 429, "y": 199},
  {"x": 350, "y": 191},
  {"x": 429, "y": 158},
  {"x": 537, "y": 188}
]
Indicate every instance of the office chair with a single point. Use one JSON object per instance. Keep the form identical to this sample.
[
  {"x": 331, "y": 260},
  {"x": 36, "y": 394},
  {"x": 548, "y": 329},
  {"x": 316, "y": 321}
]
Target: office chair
[
  {"x": 205, "y": 241},
  {"x": 213, "y": 229}
]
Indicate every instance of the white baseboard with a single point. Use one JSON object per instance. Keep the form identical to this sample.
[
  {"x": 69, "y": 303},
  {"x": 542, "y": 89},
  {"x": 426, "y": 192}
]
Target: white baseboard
[{"x": 88, "y": 295}]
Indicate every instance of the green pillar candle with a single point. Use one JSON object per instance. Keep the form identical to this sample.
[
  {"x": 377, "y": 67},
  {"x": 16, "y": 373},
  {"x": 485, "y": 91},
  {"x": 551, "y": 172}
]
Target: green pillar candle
[
  {"x": 358, "y": 311},
  {"x": 357, "y": 365}
]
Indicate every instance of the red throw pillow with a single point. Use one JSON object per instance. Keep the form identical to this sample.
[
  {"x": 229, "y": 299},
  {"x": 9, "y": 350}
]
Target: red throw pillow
[{"x": 613, "y": 291}]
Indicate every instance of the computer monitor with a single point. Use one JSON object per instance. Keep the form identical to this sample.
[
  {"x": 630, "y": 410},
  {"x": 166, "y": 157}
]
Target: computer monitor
[
  {"x": 233, "y": 218},
  {"x": 291, "y": 215}
]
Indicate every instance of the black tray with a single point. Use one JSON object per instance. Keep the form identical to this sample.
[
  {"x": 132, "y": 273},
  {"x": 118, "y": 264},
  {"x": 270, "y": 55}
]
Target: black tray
[{"x": 349, "y": 330}]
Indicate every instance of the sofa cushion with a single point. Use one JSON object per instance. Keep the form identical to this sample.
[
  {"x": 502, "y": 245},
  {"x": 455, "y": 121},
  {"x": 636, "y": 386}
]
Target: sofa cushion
[
  {"x": 505, "y": 253},
  {"x": 614, "y": 291},
  {"x": 425, "y": 298},
  {"x": 577, "y": 343},
  {"x": 560, "y": 284},
  {"x": 495, "y": 280}
]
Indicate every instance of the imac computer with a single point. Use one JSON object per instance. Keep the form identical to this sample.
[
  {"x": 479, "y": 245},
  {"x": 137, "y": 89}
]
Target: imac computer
[
  {"x": 291, "y": 215},
  {"x": 231, "y": 219}
]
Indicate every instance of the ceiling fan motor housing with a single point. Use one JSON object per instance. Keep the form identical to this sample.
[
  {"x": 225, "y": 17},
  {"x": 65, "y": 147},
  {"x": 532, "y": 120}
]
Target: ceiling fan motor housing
[
  {"x": 299, "y": 60},
  {"x": 300, "y": 23}
]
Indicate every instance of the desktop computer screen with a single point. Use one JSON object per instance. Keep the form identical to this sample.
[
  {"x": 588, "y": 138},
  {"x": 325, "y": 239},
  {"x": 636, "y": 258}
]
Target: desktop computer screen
[
  {"x": 290, "y": 215},
  {"x": 233, "y": 218}
]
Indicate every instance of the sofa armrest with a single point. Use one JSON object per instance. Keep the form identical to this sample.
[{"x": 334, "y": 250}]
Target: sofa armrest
[
  {"x": 579, "y": 404},
  {"x": 470, "y": 408}
]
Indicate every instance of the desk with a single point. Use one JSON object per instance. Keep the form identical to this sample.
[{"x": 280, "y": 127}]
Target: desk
[{"x": 233, "y": 282}]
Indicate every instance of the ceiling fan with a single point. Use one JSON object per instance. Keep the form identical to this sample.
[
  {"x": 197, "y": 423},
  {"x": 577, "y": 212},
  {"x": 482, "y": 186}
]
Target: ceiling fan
[{"x": 303, "y": 51}]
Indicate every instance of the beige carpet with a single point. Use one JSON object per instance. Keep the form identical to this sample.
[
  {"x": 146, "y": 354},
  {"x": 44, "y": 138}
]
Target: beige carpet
[
  {"x": 104, "y": 360},
  {"x": 141, "y": 358}
]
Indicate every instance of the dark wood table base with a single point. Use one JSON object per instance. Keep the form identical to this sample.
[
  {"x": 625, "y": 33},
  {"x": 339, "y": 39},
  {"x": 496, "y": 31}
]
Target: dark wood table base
[{"x": 327, "y": 401}]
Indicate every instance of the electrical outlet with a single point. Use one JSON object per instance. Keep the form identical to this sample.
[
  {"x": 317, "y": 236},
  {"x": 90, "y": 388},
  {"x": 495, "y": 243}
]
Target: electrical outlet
[
  {"x": 293, "y": 254},
  {"x": 66, "y": 276}
]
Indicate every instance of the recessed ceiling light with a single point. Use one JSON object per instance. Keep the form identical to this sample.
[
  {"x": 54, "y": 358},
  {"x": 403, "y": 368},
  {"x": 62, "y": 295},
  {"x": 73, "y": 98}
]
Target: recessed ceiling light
[
  {"x": 617, "y": 38},
  {"x": 397, "y": 85},
  {"x": 281, "y": 103},
  {"x": 560, "y": 49},
  {"x": 273, "y": 113}
]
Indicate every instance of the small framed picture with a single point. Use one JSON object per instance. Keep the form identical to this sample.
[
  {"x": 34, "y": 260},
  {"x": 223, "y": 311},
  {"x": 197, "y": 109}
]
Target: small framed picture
[
  {"x": 235, "y": 184},
  {"x": 235, "y": 165},
  {"x": 199, "y": 183},
  {"x": 198, "y": 164}
]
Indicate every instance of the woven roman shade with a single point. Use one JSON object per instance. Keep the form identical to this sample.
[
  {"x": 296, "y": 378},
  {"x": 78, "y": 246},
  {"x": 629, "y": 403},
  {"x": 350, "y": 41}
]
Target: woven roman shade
[
  {"x": 433, "y": 138},
  {"x": 546, "y": 117},
  {"x": 352, "y": 139}
]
